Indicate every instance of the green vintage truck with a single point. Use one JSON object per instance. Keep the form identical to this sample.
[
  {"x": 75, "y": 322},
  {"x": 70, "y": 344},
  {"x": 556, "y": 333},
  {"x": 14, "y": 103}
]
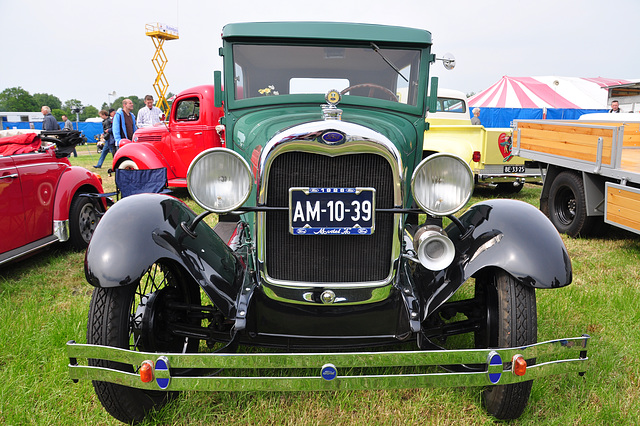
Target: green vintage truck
[{"x": 329, "y": 268}]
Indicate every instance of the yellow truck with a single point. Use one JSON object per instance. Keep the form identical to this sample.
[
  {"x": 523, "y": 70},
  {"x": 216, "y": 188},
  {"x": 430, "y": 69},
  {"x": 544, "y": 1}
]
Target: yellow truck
[
  {"x": 591, "y": 170},
  {"x": 487, "y": 150}
]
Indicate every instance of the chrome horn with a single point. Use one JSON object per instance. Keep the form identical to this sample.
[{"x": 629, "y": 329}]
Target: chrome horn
[{"x": 433, "y": 247}]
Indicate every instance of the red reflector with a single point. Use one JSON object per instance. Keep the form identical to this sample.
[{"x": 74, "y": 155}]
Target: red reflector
[
  {"x": 519, "y": 365},
  {"x": 146, "y": 372},
  {"x": 476, "y": 156}
]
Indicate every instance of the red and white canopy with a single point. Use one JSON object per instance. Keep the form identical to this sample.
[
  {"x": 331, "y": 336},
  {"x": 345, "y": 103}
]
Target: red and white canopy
[{"x": 546, "y": 92}]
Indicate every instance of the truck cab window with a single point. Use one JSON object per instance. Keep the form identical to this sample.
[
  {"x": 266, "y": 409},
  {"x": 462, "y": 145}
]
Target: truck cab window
[
  {"x": 188, "y": 110},
  {"x": 451, "y": 105}
]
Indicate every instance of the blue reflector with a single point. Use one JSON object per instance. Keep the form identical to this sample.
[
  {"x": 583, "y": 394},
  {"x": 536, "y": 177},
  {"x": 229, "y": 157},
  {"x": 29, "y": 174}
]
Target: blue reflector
[
  {"x": 494, "y": 367},
  {"x": 329, "y": 372}
]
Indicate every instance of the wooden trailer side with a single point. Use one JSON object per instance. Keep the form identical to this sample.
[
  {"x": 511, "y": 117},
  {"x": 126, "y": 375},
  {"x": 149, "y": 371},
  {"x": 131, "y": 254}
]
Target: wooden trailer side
[
  {"x": 622, "y": 206},
  {"x": 576, "y": 142}
]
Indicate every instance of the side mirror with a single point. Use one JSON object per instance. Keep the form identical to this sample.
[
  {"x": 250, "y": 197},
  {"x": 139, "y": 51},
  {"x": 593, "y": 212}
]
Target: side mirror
[{"x": 448, "y": 61}]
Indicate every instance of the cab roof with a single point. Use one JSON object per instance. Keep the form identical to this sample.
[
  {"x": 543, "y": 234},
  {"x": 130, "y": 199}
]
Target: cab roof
[{"x": 331, "y": 31}]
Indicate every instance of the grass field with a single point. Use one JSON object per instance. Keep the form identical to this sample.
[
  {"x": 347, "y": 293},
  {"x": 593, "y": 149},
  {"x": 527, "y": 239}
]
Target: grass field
[{"x": 44, "y": 302}]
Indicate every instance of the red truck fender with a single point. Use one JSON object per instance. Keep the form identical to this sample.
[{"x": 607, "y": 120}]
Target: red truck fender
[{"x": 73, "y": 181}]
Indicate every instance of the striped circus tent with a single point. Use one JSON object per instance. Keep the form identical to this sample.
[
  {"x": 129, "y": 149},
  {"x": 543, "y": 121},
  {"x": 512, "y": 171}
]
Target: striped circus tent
[{"x": 550, "y": 97}]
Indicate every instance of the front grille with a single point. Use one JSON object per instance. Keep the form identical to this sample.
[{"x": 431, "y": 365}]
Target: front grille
[
  {"x": 149, "y": 138},
  {"x": 325, "y": 258}
]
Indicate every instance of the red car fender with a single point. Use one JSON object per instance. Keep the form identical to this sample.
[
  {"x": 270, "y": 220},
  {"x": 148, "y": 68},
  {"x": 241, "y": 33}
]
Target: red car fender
[
  {"x": 144, "y": 155},
  {"x": 75, "y": 180}
]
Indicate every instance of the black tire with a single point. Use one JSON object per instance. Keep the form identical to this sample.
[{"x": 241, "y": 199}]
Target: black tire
[
  {"x": 510, "y": 321},
  {"x": 568, "y": 206},
  {"x": 83, "y": 219},
  {"x": 508, "y": 188},
  {"x": 114, "y": 315}
]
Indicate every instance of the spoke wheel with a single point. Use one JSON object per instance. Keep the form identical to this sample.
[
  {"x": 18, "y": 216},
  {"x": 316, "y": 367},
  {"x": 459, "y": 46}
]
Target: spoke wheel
[
  {"x": 510, "y": 320},
  {"x": 139, "y": 317}
]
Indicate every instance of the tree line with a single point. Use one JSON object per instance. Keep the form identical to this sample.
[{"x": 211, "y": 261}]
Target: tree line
[{"x": 16, "y": 99}]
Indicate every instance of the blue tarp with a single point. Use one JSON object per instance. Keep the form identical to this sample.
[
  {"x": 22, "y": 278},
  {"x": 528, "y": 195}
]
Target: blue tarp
[
  {"x": 88, "y": 129},
  {"x": 502, "y": 117}
]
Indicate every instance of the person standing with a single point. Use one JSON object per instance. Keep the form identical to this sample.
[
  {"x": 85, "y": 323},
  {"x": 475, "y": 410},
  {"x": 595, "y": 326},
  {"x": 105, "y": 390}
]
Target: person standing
[
  {"x": 615, "y": 107},
  {"x": 476, "y": 117},
  {"x": 49, "y": 122},
  {"x": 68, "y": 124},
  {"x": 124, "y": 123},
  {"x": 149, "y": 114},
  {"x": 109, "y": 142}
]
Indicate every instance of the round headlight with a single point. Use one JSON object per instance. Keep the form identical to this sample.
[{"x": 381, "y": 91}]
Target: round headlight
[
  {"x": 219, "y": 180},
  {"x": 442, "y": 184}
]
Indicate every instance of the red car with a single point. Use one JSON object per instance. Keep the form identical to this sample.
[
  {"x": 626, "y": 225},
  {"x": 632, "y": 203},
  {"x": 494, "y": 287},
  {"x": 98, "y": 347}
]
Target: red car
[
  {"x": 40, "y": 200},
  {"x": 192, "y": 128}
]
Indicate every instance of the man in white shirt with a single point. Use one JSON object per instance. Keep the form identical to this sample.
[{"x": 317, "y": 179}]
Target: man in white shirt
[{"x": 148, "y": 114}]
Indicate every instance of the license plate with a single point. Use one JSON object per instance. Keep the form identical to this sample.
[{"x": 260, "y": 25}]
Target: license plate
[
  {"x": 331, "y": 211},
  {"x": 514, "y": 169}
]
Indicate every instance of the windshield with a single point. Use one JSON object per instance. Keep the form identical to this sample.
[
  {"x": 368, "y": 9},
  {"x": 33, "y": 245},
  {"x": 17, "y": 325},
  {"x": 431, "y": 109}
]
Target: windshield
[{"x": 268, "y": 70}]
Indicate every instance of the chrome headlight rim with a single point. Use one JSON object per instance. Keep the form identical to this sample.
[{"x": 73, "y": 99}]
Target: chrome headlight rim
[
  {"x": 465, "y": 168},
  {"x": 193, "y": 186}
]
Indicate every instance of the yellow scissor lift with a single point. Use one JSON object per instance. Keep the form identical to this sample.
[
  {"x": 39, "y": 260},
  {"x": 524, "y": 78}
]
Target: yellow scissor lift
[{"x": 159, "y": 33}]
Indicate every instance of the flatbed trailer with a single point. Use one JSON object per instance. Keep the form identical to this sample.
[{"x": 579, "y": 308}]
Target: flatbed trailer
[{"x": 590, "y": 169}]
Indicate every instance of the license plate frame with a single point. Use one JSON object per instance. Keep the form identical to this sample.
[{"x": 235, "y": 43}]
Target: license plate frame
[
  {"x": 514, "y": 169},
  {"x": 331, "y": 211}
]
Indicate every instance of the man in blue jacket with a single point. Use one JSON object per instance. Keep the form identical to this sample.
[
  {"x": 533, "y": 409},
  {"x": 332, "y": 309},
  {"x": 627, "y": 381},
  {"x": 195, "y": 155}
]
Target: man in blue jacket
[{"x": 124, "y": 122}]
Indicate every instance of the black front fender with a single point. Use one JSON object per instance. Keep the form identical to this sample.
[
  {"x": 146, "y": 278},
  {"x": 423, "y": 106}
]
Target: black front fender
[
  {"x": 506, "y": 234},
  {"x": 516, "y": 237},
  {"x": 141, "y": 229}
]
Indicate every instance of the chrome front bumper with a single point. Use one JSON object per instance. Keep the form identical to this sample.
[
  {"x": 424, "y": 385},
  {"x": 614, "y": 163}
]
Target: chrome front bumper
[{"x": 330, "y": 371}]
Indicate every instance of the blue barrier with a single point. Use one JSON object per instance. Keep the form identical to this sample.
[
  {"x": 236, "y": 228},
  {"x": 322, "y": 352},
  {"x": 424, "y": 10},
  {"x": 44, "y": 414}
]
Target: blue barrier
[
  {"x": 502, "y": 117},
  {"x": 90, "y": 130}
]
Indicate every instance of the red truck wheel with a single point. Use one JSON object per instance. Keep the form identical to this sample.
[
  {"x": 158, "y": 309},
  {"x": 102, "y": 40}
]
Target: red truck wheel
[{"x": 128, "y": 165}]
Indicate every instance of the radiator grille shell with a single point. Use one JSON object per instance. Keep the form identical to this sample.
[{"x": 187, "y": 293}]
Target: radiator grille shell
[{"x": 328, "y": 258}]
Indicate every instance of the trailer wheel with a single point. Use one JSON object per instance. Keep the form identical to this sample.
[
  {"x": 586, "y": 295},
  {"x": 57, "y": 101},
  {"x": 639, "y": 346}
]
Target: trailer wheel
[
  {"x": 568, "y": 206},
  {"x": 510, "y": 320},
  {"x": 136, "y": 317}
]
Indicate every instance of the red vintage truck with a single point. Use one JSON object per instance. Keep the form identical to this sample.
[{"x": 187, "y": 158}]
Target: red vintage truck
[{"x": 190, "y": 129}]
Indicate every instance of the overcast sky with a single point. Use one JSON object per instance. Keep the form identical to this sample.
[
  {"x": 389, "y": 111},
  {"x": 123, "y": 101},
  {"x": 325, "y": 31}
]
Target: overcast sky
[{"x": 85, "y": 49}]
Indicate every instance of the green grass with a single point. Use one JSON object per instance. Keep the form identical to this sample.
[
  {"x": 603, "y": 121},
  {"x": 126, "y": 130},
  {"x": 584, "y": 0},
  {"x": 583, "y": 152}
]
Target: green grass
[{"x": 44, "y": 302}]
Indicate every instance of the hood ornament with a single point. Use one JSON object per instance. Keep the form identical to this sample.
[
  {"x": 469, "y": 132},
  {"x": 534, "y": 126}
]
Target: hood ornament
[{"x": 330, "y": 111}]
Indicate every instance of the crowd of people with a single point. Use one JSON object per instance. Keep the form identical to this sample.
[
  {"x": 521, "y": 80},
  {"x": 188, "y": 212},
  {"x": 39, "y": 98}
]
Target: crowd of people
[{"x": 116, "y": 125}]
